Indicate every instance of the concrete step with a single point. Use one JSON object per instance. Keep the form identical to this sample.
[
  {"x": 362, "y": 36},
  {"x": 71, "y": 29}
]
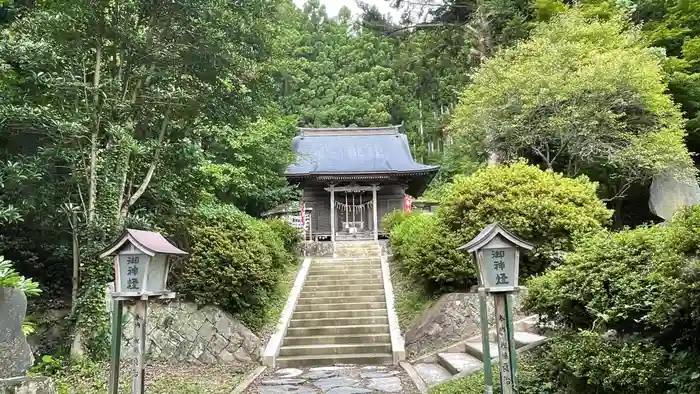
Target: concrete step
[
  {"x": 459, "y": 363},
  {"x": 333, "y": 282},
  {"x": 340, "y": 278},
  {"x": 332, "y": 339},
  {"x": 340, "y": 275},
  {"x": 475, "y": 348},
  {"x": 526, "y": 338},
  {"x": 314, "y": 361},
  {"x": 340, "y": 314},
  {"x": 337, "y": 330},
  {"x": 340, "y": 306},
  {"x": 345, "y": 271},
  {"x": 431, "y": 373},
  {"x": 339, "y": 321},
  {"x": 342, "y": 293},
  {"x": 344, "y": 287},
  {"x": 336, "y": 300},
  {"x": 345, "y": 260},
  {"x": 328, "y": 349}
]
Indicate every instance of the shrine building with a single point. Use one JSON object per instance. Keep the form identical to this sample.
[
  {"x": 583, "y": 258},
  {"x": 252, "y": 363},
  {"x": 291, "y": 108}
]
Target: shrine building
[{"x": 351, "y": 177}]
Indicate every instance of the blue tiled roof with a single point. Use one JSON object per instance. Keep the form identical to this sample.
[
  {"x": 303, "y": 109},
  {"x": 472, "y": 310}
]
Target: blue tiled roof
[{"x": 353, "y": 150}]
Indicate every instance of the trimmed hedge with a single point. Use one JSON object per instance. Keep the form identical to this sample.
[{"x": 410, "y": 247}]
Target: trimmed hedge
[
  {"x": 642, "y": 288},
  {"x": 393, "y": 219},
  {"x": 427, "y": 253},
  {"x": 542, "y": 207},
  {"x": 236, "y": 262}
]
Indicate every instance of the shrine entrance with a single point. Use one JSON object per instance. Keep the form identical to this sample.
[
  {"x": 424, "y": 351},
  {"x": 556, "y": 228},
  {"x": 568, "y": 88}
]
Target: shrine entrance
[{"x": 354, "y": 208}]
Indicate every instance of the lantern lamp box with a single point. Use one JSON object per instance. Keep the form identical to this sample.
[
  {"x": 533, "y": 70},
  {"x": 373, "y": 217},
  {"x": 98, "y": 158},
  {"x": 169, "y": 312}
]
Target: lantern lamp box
[
  {"x": 497, "y": 258},
  {"x": 141, "y": 264}
]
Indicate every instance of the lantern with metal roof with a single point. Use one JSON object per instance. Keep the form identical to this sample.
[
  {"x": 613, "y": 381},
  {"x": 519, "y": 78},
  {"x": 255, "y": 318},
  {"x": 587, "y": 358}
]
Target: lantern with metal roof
[
  {"x": 141, "y": 263},
  {"x": 497, "y": 257}
]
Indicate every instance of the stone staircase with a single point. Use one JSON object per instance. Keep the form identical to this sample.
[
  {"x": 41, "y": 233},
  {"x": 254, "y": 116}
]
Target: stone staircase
[
  {"x": 466, "y": 357},
  {"x": 340, "y": 316}
]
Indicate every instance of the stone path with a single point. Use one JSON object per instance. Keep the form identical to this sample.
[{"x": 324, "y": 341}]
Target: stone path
[{"x": 339, "y": 379}]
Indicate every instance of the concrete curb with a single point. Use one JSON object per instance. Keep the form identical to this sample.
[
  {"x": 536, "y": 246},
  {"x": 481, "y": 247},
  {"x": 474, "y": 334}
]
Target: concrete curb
[
  {"x": 249, "y": 379},
  {"x": 397, "y": 342},
  {"x": 272, "y": 349},
  {"x": 417, "y": 380}
]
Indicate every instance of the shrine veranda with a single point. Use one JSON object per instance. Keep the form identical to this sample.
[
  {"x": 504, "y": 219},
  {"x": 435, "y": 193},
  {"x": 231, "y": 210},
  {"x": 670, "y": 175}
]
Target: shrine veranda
[{"x": 351, "y": 177}]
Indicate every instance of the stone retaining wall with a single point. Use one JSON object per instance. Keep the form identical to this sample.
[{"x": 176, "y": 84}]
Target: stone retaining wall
[{"x": 182, "y": 332}]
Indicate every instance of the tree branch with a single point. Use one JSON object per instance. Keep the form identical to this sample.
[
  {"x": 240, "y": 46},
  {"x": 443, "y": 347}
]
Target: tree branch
[{"x": 151, "y": 168}]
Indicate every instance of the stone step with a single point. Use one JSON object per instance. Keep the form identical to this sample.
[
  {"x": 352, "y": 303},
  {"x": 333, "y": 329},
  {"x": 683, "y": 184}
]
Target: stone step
[
  {"x": 314, "y": 361},
  {"x": 340, "y": 277},
  {"x": 526, "y": 338},
  {"x": 459, "y": 363},
  {"x": 344, "y": 267},
  {"x": 431, "y": 373},
  {"x": 346, "y": 260},
  {"x": 328, "y": 349},
  {"x": 339, "y": 314},
  {"x": 332, "y": 339},
  {"x": 340, "y": 306},
  {"x": 337, "y": 330},
  {"x": 341, "y": 287},
  {"x": 334, "y": 282},
  {"x": 341, "y": 293},
  {"x": 475, "y": 348},
  {"x": 336, "y": 272},
  {"x": 336, "y": 300},
  {"x": 344, "y": 270},
  {"x": 339, "y": 321}
]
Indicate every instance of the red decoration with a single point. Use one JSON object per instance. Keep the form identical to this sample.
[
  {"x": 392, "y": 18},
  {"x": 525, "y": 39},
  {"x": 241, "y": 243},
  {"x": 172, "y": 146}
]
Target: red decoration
[
  {"x": 407, "y": 203},
  {"x": 303, "y": 213}
]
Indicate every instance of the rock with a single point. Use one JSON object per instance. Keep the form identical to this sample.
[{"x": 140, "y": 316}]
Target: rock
[
  {"x": 28, "y": 385},
  {"x": 454, "y": 316},
  {"x": 323, "y": 374},
  {"x": 280, "y": 382},
  {"x": 372, "y": 375},
  {"x": 289, "y": 372},
  {"x": 329, "y": 383},
  {"x": 348, "y": 390},
  {"x": 667, "y": 195},
  {"x": 15, "y": 354},
  {"x": 285, "y": 390},
  {"x": 387, "y": 385}
]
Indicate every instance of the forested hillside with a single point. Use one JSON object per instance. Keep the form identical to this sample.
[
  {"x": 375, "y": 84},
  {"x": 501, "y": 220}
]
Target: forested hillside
[{"x": 153, "y": 114}]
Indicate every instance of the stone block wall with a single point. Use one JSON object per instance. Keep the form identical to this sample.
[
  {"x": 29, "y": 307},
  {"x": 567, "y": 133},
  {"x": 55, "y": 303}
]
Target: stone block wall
[
  {"x": 15, "y": 354},
  {"x": 182, "y": 332}
]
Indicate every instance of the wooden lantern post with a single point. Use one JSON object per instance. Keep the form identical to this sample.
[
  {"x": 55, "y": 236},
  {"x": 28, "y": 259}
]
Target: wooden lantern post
[
  {"x": 497, "y": 254},
  {"x": 141, "y": 267}
]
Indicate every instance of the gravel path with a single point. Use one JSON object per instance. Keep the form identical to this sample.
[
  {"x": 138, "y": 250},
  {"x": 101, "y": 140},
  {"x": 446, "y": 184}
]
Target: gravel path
[{"x": 340, "y": 379}]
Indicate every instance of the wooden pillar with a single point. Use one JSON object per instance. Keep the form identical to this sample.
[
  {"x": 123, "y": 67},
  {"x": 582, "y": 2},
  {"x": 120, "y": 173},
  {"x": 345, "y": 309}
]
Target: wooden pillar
[
  {"x": 374, "y": 212},
  {"x": 332, "y": 213}
]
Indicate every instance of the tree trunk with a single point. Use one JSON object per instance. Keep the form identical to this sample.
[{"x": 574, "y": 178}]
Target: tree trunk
[
  {"x": 92, "y": 186},
  {"x": 75, "y": 280}
]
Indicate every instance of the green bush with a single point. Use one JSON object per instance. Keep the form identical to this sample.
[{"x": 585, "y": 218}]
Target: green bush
[
  {"x": 645, "y": 285},
  {"x": 426, "y": 252},
  {"x": 393, "y": 219},
  {"x": 235, "y": 262},
  {"x": 290, "y": 236},
  {"x": 542, "y": 207}
]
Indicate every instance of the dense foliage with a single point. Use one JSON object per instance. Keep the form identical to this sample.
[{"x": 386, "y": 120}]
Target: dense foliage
[
  {"x": 542, "y": 207},
  {"x": 236, "y": 261},
  {"x": 639, "y": 286},
  {"x": 427, "y": 252},
  {"x": 581, "y": 96}
]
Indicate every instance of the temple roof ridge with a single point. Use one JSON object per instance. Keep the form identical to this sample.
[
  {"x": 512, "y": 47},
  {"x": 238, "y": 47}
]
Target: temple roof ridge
[{"x": 349, "y": 130}]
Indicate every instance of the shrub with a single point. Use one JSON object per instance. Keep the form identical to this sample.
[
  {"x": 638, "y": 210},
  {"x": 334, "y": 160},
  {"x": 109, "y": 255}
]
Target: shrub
[
  {"x": 644, "y": 285},
  {"x": 235, "y": 262},
  {"x": 290, "y": 236},
  {"x": 543, "y": 207},
  {"x": 426, "y": 252},
  {"x": 393, "y": 219}
]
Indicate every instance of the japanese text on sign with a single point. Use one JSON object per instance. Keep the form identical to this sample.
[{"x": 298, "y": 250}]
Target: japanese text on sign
[{"x": 500, "y": 267}]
